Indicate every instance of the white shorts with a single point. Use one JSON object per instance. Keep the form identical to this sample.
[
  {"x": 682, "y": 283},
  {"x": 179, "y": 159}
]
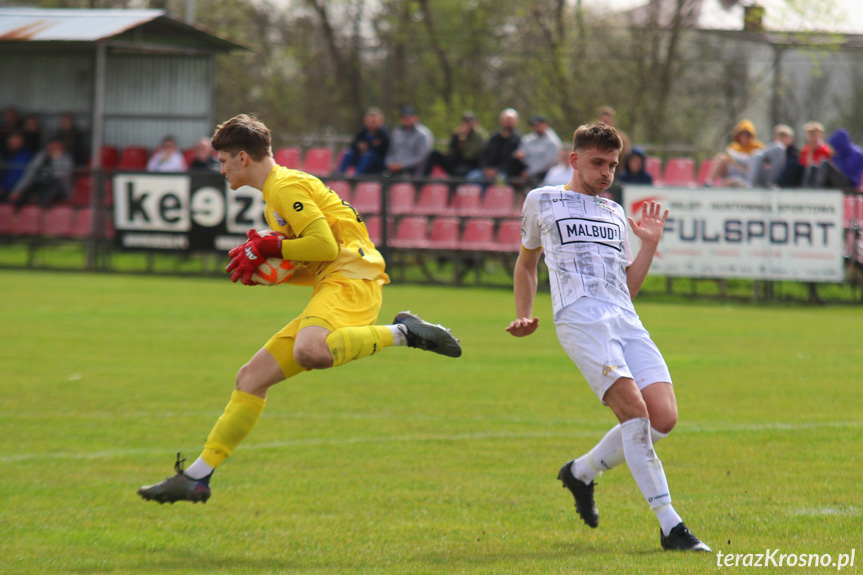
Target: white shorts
[{"x": 608, "y": 342}]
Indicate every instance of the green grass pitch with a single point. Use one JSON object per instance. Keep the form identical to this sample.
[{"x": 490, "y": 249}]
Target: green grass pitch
[{"x": 407, "y": 462}]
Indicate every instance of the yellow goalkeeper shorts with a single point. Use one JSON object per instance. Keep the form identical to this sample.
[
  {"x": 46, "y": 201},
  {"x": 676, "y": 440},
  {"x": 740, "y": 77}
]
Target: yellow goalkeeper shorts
[{"x": 336, "y": 302}]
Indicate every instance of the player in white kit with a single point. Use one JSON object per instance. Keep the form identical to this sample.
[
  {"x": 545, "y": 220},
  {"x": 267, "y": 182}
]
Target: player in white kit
[{"x": 593, "y": 279}]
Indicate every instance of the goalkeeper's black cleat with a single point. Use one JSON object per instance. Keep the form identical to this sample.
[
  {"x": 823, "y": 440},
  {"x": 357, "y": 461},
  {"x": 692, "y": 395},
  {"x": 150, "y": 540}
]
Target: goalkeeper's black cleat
[
  {"x": 681, "y": 539},
  {"x": 583, "y": 493},
  {"x": 424, "y": 335},
  {"x": 180, "y": 487}
]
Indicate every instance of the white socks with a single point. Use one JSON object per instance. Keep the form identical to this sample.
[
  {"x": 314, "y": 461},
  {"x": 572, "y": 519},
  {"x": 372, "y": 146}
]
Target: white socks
[
  {"x": 399, "y": 337},
  {"x": 606, "y": 454},
  {"x": 647, "y": 470},
  {"x": 632, "y": 441},
  {"x": 198, "y": 470}
]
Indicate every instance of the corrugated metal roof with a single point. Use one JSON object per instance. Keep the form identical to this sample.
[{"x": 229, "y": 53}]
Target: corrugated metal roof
[{"x": 69, "y": 25}]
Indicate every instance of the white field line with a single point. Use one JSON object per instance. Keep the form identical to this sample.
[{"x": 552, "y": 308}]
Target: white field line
[{"x": 419, "y": 438}]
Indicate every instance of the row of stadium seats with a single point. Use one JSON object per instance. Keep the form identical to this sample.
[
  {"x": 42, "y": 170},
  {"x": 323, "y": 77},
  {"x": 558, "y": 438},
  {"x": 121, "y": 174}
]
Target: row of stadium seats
[
  {"x": 61, "y": 221},
  {"x": 448, "y": 233},
  {"x": 316, "y": 161},
  {"x": 677, "y": 171},
  {"x": 432, "y": 199}
]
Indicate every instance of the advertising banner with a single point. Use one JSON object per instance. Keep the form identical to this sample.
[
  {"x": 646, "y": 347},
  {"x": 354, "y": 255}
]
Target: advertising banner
[
  {"x": 183, "y": 212},
  {"x": 745, "y": 233}
]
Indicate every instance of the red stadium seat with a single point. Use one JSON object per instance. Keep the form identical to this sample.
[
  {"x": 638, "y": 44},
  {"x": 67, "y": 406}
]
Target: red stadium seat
[
  {"x": 288, "y": 157},
  {"x": 133, "y": 159},
  {"x": 373, "y": 226},
  {"x": 109, "y": 157},
  {"x": 438, "y": 173},
  {"x": 498, "y": 201},
  {"x": 653, "y": 166},
  {"x": 82, "y": 191},
  {"x": 58, "y": 221},
  {"x": 478, "y": 234},
  {"x": 367, "y": 198},
  {"x": 433, "y": 200},
  {"x": 7, "y": 216},
  {"x": 703, "y": 172},
  {"x": 679, "y": 172},
  {"x": 444, "y": 234},
  {"x": 508, "y": 236},
  {"x": 342, "y": 188},
  {"x": 467, "y": 199},
  {"x": 849, "y": 210},
  {"x": 318, "y": 161},
  {"x": 83, "y": 226},
  {"x": 189, "y": 156},
  {"x": 29, "y": 221},
  {"x": 401, "y": 198},
  {"x": 411, "y": 232}
]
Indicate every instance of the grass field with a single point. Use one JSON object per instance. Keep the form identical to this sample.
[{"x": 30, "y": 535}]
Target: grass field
[{"x": 407, "y": 462}]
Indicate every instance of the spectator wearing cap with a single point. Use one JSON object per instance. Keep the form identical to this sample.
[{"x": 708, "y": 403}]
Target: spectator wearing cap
[
  {"x": 465, "y": 148},
  {"x": 410, "y": 145},
  {"x": 538, "y": 151},
  {"x": 369, "y": 146},
  {"x": 731, "y": 165},
  {"x": 496, "y": 161}
]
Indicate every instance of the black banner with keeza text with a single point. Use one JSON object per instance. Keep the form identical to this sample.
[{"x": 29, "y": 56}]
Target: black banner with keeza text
[{"x": 183, "y": 212}]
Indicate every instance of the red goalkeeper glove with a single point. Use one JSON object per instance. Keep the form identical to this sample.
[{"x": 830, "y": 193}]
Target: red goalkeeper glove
[{"x": 246, "y": 258}]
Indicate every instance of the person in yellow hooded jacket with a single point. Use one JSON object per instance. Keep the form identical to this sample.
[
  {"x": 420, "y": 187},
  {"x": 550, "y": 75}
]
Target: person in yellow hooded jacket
[{"x": 731, "y": 166}]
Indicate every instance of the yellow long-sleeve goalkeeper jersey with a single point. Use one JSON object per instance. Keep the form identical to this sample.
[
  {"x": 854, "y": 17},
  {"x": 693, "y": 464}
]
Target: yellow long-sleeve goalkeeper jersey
[{"x": 294, "y": 199}]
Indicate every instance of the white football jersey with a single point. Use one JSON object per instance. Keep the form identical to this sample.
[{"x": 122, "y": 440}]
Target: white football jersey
[{"x": 586, "y": 245}]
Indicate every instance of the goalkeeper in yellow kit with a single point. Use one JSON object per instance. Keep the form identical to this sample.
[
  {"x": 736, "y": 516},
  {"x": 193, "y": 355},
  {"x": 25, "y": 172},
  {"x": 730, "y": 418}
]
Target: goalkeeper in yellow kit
[{"x": 326, "y": 235}]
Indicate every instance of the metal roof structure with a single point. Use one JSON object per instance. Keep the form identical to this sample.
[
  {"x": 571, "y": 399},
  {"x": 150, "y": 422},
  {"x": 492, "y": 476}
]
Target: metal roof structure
[{"x": 142, "y": 28}]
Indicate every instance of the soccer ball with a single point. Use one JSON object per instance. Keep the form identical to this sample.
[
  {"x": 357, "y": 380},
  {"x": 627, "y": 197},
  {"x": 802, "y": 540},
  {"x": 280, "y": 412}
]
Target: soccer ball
[{"x": 274, "y": 271}]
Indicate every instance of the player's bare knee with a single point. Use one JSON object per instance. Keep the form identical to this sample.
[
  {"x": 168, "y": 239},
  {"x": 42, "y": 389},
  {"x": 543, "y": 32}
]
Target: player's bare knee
[
  {"x": 665, "y": 423},
  {"x": 246, "y": 382},
  {"x": 313, "y": 358}
]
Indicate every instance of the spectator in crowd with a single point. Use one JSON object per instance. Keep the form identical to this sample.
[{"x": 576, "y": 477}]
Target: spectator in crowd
[
  {"x": 11, "y": 123},
  {"x": 73, "y": 138},
  {"x": 633, "y": 170},
  {"x": 465, "y": 149},
  {"x": 369, "y": 147},
  {"x": 496, "y": 159},
  {"x": 410, "y": 146},
  {"x": 32, "y": 130},
  {"x": 561, "y": 172},
  {"x": 13, "y": 164},
  {"x": 538, "y": 151},
  {"x": 606, "y": 115},
  {"x": 167, "y": 157},
  {"x": 731, "y": 166},
  {"x": 768, "y": 165},
  {"x": 814, "y": 151},
  {"x": 48, "y": 176},
  {"x": 205, "y": 158},
  {"x": 846, "y": 166}
]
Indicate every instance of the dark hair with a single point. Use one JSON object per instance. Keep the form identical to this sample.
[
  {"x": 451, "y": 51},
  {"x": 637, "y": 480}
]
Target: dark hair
[
  {"x": 597, "y": 135},
  {"x": 243, "y": 133}
]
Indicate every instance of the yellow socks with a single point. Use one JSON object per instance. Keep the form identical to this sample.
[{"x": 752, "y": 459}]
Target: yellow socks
[
  {"x": 350, "y": 343},
  {"x": 240, "y": 416}
]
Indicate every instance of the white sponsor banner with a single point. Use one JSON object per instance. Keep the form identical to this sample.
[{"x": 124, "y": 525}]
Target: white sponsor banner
[{"x": 750, "y": 233}]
